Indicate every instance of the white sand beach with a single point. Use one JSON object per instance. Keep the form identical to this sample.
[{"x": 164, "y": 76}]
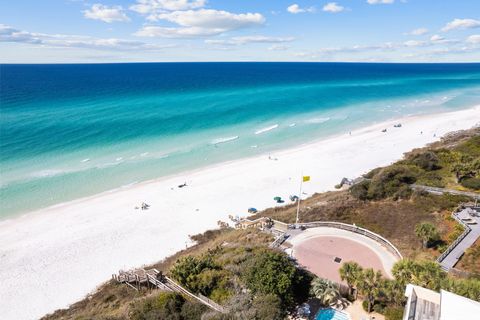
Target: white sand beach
[{"x": 55, "y": 256}]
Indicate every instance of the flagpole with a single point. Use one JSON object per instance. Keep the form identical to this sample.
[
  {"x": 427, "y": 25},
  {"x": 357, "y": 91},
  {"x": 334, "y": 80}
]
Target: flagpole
[{"x": 299, "y": 197}]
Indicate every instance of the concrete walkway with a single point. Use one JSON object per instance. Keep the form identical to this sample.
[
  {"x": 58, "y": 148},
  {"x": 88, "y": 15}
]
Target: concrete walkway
[{"x": 451, "y": 259}]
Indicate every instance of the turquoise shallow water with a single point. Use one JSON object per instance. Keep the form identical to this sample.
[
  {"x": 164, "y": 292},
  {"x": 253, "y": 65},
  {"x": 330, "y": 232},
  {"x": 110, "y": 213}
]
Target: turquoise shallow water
[{"x": 68, "y": 131}]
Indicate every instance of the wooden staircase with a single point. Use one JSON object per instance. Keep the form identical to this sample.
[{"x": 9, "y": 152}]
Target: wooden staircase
[{"x": 152, "y": 278}]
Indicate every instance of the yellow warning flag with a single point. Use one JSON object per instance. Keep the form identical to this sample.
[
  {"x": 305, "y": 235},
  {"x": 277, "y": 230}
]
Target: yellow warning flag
[{"x": 306, "y": 178}]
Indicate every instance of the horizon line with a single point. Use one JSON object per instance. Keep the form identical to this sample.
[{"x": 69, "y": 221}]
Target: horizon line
[{"x": 253, "y": 61}]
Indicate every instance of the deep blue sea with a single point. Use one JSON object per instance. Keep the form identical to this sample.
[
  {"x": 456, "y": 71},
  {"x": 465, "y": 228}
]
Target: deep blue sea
[{"x": 73, "y": 130}]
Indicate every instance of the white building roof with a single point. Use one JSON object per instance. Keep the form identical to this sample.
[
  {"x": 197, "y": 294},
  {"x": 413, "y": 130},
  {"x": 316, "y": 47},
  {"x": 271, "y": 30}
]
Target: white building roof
[{"x": 455, "y": 307}]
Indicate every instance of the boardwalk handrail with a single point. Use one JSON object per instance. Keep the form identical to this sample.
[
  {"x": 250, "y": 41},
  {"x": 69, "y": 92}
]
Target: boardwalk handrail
[
  {"x": 278, "y": 240},
  {"x": 208, "y": 302},
  {"x": 139, "y": 276},
  {"x": 349, "y": 227},
  {"x": 458, "y": 240}
]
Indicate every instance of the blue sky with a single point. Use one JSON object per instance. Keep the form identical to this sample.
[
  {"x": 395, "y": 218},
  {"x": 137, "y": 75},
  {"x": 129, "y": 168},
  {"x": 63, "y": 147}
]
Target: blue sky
[{"x": 56, "y": 31}]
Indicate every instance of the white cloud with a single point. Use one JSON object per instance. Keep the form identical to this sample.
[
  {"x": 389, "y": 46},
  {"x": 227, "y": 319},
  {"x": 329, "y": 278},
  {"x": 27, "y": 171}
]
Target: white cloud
[
  {"x": 474, "y": 39},
  {"x": 105, "y": 13},
  {"x": 164, "y": 32},
  {"x": 418, "y": 32},
  {"x": 214, "y": 19},
  {"x": 333, "y": 7},
  {"x": 149, "y": 7},
  {"x": 200, "y": 23},
  {"x": 415, "y": 43},
  {"x": 250, "y": 39},
  {"x": 461, "y": 24},
  {"x": 380, "y": 1},
  {"x": 295, "y": 8},
  {"x": 9, "y": 34},
  {"x": 277, "y": 47},
  {"x": 436, "y": 38}
]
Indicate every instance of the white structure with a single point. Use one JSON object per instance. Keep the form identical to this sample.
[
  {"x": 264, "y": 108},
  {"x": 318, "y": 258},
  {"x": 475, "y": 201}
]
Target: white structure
[{"x": 425, "y": 304}]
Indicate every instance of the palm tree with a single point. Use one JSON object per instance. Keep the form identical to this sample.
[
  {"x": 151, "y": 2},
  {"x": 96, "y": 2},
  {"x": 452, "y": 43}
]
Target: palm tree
[
  {"x": 369, "y": 285},
  {"x": 404, "y": 271},
  {"x": 325, "y": 291},
  {"x": 350, "y": 272},
  {"x": 394, "y": 291},
  {"x": 430, "y": 275},
  {"x": 427, "y": 232},
  {"x": 427, "y": 274}
]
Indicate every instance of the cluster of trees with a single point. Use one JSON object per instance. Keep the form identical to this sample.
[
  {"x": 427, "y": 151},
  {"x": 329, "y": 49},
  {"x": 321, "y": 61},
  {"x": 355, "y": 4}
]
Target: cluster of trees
[
  {"x": 430, "y": 167},
  {"x": 463, "y": 162},
  {"x": 203, "y": 275},
  {"x": 272, "y": 272},
  {"x": 467, "y": 172},
  {"x": 365, "y": 282},
  {"x": 250, "y": 281},
  {"x": 392, "y": 181},
  {"x": 387, "y": 296}
]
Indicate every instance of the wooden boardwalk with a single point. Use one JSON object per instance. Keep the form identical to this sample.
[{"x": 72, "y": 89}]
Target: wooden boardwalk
[
  {"x": 152, "y": 278},
  {"x": 455, "y": 251},
  {"x": 435, "y": 190}
]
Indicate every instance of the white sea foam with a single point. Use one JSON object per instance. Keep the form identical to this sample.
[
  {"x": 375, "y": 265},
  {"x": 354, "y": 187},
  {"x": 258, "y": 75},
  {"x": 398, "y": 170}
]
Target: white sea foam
[
  {"x": 129, "y": 184},
  {"x": 162, "y": 156},
  {"x": 119, "y": 159},
  {"x": 223, "y": 140},
  {"x": 266, "y": 129},
  {"x": 47, "y": 173},
  {"x": 292, "y": 124},
  {"x": 108, "y": 164},
  {"x": 85, "y": 160},
  {"x": 144, "y": 154},
  {"x": 317, "y": 120}
]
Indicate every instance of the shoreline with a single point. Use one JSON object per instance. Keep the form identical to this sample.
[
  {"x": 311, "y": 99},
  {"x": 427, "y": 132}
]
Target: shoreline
[
  {"x": 326, "y": 139},
  {"x": 77, "y": 245}
]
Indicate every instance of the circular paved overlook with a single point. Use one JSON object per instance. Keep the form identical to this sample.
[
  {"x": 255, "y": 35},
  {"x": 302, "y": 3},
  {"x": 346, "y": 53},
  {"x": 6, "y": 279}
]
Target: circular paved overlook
[{"x": 323, "y": 250}]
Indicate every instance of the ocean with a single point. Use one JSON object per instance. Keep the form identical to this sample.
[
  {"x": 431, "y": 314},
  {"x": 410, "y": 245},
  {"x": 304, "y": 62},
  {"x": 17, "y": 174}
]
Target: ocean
[{"x": 73, "y": 130}]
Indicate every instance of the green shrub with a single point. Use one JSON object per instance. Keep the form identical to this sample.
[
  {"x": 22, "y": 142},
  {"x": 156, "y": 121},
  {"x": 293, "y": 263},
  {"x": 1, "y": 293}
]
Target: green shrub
[
  {"x": 166, "y": 305},
  {"x": 220, "y": 294},
  {"x": 432, "y": 179},
  {"x": 198, "y": 274},
  {"x": 365, "y": 305},
  {"x": 192, "y": 311},
  {"x": 471, "y": 183},
  {"x": 393, "y": 313},
  {"x": 379, "y": 308},
  {"x": 360, "y": 190},
  {"x": 268, "y": 307},
  {"x": 403, "y": 192},
  {"x": 390, "y": 180},
  {"x": 372, "y": 173},
  {"x": 271, "y": 272},
  {"x": 427, "y": 160}
]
